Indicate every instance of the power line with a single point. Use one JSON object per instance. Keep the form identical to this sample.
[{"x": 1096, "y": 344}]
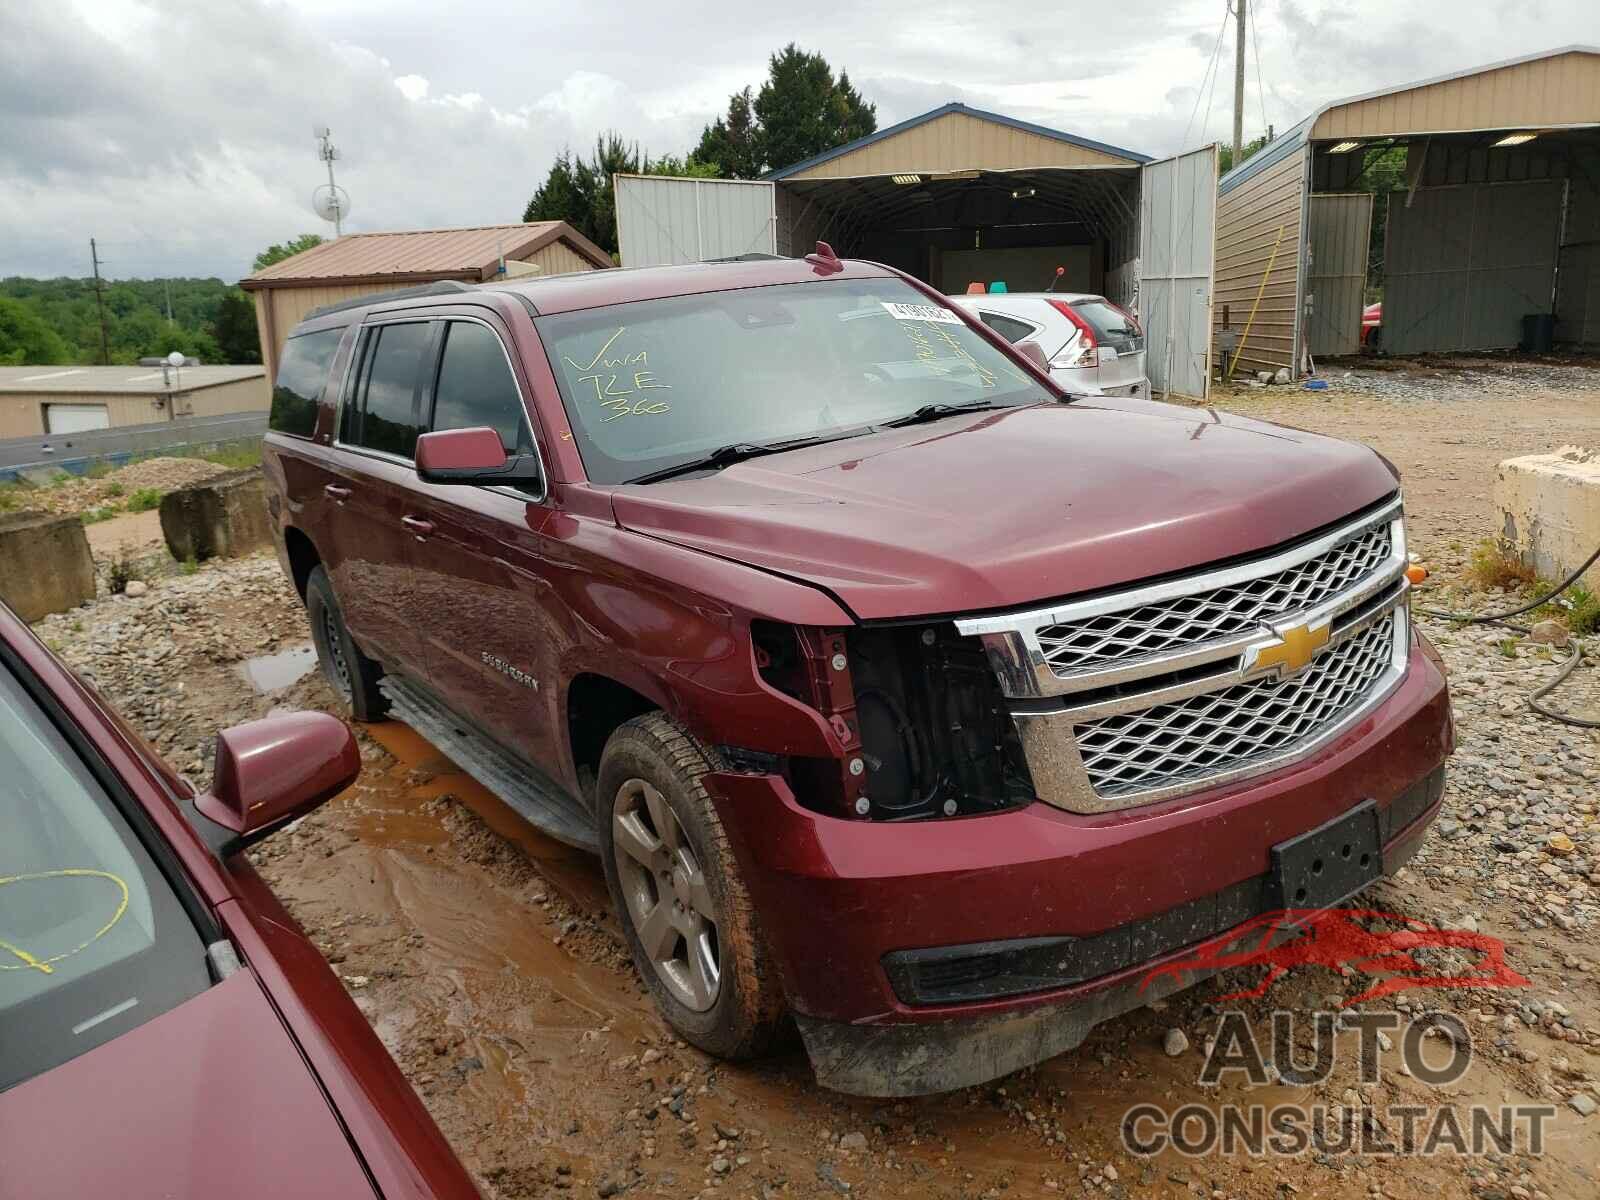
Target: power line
[
  {"x": 1210, "y": 67},
  {"x": 1255, "y": 49}
]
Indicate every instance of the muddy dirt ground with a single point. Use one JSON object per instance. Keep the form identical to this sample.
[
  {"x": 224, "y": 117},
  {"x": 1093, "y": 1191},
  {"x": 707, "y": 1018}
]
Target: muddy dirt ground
[{"x": 488, "y": 959}]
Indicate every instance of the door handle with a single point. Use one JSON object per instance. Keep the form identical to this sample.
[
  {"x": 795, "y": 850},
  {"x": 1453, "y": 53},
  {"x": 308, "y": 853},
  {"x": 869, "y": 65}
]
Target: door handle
[
  {"x": 417, "y": 526},
  {"x": 334, "y": 492}
]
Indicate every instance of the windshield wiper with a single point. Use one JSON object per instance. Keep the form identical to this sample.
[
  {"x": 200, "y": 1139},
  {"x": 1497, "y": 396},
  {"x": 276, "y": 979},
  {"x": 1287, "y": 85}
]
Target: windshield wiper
[
  {"x": 726, "y": 456},
  {"x": 933, "y": 412}
]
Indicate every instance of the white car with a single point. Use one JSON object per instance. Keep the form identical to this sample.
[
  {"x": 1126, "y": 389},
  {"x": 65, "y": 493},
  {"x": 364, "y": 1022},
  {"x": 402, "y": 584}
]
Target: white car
[{"x": 1092, "y": 344}]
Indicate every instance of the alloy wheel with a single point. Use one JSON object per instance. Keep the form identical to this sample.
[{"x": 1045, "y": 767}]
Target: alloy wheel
[{"x": 669, "y": 904}]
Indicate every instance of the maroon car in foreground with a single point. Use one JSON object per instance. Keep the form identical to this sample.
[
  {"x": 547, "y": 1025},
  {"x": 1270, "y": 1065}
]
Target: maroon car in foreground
[
  {"x": 165, "y": 1029},
  {"x": 899, "y": 690}
]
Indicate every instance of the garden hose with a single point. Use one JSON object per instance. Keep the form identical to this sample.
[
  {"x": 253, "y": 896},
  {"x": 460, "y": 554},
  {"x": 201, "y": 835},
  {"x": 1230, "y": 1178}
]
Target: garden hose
[{"x": 1573, "y": 659}]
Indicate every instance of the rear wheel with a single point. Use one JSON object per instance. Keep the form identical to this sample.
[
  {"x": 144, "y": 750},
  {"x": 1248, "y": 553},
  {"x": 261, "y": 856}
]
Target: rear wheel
[
  {"x": 688, "y": 918},
  {"x": 350, "y": 673}
]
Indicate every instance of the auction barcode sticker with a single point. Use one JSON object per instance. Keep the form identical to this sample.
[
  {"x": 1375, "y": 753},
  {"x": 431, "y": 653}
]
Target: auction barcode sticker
[{"x": 921, "y": 312}]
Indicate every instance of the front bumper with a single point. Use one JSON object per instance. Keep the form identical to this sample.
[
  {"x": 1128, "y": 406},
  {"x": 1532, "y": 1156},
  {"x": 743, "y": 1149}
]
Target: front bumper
[{"x": 842, "y": 901}]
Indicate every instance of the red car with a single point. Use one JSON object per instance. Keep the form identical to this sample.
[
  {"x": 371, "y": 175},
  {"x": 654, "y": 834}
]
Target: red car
[
  {"x": 165, "y": 1029},
  {"x": 1372, "y": 325},
  {"x": 900, "y": 691}
]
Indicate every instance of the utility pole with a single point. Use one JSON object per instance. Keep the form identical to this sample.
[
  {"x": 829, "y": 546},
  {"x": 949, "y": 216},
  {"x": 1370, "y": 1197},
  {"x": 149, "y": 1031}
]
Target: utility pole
[
  {"x": 100, "y": 303},
  {"x": 1238, "y": 80},
  {"x": 328, "y": 153}
]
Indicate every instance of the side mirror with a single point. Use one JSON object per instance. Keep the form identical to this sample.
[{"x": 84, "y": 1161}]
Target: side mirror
[
  {"x": 268, "y": 772},
  {"x": 1034, "y": 353},
  {"x": 472, "y": 456}
]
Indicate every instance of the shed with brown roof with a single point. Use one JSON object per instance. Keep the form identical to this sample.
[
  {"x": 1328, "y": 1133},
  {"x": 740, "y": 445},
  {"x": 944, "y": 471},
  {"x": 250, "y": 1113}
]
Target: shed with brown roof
[{"x": 362, "y": 264}]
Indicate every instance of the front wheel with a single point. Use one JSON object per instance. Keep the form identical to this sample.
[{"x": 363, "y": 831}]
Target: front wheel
[{"x": 688, "y": 918}]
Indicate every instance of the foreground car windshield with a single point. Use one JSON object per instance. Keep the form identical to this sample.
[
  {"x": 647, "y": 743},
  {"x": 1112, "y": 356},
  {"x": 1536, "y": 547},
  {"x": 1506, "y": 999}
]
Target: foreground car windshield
[
  {"x": 92, "y": 939},
  {"x": 655, "y": 383}
]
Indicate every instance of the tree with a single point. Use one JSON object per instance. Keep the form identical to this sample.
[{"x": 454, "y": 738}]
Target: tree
[
  {"x": 283, "y": 250},
  {"x": 804, "y": 110},
  {"x": 731, "y": 144},
  {"x": 26, "y": 340},
  {"x": 1225, "y": 153},
  {"x": 234, "y": 329}
]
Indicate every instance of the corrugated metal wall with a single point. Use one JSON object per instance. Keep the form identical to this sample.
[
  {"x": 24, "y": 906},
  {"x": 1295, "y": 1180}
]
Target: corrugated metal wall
[
  {"x": 1561, "y": 90},
  {"x": 960, "y": 142},
  {"x": 1336, "y": 276},
  {"x": 22, "y": 413},
  {"x": 1464, "y": 264},
  {"x": 1177, "y": 242},
  {"x": 1249, "y": 218},
  {"x": 1578, "y": 286},
  {"x": 665, "y": 221}
]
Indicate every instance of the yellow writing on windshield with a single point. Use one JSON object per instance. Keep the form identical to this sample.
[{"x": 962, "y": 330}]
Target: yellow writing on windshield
[
  {"x": 637, "y": 358},
  {"x": 623, "y": 400}
]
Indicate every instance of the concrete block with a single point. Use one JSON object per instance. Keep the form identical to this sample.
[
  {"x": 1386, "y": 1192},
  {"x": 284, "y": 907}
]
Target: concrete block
[
  {"x": 45, "y": 565},
  {"x": 224, "y": 517},
  {"x": 1548, "y": 509}
]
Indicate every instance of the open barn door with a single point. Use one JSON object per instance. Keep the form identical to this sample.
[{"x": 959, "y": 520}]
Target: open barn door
[
  {"x": 1177, "y": 246},
  {"x": 664, "y": 220}
]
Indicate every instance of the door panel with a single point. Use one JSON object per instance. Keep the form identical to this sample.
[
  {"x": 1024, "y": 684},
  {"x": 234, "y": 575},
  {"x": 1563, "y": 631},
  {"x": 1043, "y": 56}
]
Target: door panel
[
  {"x": 665, "y": 221},
  {"x": 1177, "y": 246},
  {"x": 1340, "y": 229}
]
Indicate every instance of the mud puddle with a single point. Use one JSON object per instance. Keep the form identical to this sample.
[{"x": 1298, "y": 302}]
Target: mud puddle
[{"x": 269, "y": 673}]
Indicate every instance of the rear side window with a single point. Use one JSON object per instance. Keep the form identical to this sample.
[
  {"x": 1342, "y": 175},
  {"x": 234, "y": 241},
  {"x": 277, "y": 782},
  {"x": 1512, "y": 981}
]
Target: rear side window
[
  {"x": 301, "y": 374},
  {"x": 1112, "y": 326},
  {"x": 1009, "y": 328},
  {"x": 476, "y": 387},
  {"x": 384, "y": 415}
]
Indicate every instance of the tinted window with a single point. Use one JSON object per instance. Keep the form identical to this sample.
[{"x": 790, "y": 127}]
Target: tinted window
[
  {"x": 93, "y": 941},
  {"x": 1112, "y": 326},
  {"x": 657, "y": 383},
  {"x": 388, "y": 387},
  {"x": 1009, "y": 328},
  {"x": 476, "y": 387},
  {"x": 302, "y": 371}
]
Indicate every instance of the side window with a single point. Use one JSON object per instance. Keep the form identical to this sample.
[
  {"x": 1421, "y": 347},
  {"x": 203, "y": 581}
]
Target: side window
[
  {"x": 386, "y": 390},
  {"x": 476, "y": 387},
  {"x": 302, "y": 371},
  {"x": 1009, "y": 328}
]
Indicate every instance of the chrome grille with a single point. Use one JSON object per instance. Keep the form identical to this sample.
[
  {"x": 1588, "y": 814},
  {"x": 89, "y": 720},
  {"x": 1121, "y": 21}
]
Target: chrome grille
[
  {"x": 1215, "y": 732},
  {"x": 1187, "y": 621}
]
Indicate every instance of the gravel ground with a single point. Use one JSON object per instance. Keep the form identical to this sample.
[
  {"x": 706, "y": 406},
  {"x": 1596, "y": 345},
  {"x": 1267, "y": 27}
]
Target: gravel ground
[
  {"x": 82, "y": 493},
  {"x": 488, "y": 961}
]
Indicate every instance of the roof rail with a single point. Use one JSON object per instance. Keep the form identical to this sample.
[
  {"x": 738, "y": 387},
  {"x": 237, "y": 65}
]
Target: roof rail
[{"x": 441, "y": 287}]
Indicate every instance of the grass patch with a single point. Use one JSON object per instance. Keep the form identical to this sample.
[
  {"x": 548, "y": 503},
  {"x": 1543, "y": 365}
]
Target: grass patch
[
  {"x": 121, "y": 572},
  {"x": 57, "y": 478},
  {"x": 189, "y": 565},
  {"x": 93, "y": 516},
  {"x": 1493, "y": 567},
  {"x": 236, "y": 457},
  {"x": 115, "y": 488},
  {"x": 1508, "y": 647},
  {"x": 11, "y": 496},
  {"x": 144, "y": 500}
]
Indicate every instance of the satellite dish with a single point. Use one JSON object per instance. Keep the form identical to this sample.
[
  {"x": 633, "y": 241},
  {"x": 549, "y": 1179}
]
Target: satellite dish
[
  {"x": 331, "y": 202},
  {"x": 176, "y": 358}
]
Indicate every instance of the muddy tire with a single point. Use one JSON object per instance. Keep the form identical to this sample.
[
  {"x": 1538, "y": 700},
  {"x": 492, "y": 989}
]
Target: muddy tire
[
  {"x": 678, "y": 894},
  {"x": 349, "y": 672}
]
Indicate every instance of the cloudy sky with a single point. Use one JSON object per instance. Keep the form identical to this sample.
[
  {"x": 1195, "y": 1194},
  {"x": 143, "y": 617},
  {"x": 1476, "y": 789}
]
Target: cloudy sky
[{"x": 179, "y": 132}]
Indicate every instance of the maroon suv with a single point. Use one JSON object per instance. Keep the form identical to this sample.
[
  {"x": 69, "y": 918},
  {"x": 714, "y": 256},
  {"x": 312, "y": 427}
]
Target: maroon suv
[{"x": 899, "y": 691}]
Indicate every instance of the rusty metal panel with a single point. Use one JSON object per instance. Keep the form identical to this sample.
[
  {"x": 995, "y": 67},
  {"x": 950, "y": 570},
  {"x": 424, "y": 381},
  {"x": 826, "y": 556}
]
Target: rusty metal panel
[
  {"x": 1463, "y": 265},
  {"x": 1262, "y": 212},
  {"x": 1560, "y": 89},
  {"x": 1340, "y": 228}
]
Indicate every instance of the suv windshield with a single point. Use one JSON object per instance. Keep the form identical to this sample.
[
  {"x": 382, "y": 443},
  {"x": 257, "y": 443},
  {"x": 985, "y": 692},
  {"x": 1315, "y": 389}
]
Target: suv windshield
[
  {"x": 92, "y": 939},
  {"x": 655, "y": 383}
]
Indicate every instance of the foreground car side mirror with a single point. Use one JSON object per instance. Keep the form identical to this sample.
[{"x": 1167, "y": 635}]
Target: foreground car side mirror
[
  {"x": 472, "y": 456},
  {"x": 269, "y": 772},
  {"x": 1034, "y": 353}
]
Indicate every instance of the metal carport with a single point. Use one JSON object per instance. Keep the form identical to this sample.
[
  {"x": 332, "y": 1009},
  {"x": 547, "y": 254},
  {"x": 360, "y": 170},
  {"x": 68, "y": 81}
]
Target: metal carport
[{"x": 1497, "y": 218}]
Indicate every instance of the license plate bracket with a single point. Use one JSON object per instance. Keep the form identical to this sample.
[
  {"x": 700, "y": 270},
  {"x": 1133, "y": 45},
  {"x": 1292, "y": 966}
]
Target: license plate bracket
[{"x": 1324, "y": 865}]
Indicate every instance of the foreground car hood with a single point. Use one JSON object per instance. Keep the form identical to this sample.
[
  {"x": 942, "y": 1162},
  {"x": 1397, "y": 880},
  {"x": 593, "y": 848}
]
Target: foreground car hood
[
  {"x": 210, "y": 1099},
  {"x": 1011, "y": 508}
]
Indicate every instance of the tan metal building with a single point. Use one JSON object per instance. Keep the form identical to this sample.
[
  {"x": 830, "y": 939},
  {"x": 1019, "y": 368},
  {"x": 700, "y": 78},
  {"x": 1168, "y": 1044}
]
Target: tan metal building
[
  {"x": 362, "y": 264},
  {"x": 1497, "y": 218},
  {"x": 51, "y": 400},
  {"x": 960, "y": 196}
]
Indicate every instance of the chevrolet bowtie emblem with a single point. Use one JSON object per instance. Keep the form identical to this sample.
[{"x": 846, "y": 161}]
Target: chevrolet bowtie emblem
[{"x": 1292, "y": 650}]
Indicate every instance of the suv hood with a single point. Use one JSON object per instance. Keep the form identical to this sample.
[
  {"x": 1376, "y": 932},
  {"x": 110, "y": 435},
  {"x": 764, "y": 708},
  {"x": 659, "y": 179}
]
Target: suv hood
[{"x": 1016, "y": 507}]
